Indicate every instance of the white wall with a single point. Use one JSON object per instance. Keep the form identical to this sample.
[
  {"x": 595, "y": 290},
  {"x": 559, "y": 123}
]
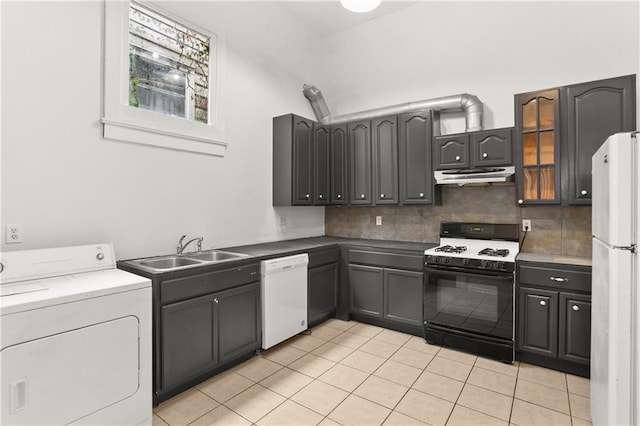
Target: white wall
[
  {"x": 490, "y": 49},
  {"x": 67, "y": 185}
]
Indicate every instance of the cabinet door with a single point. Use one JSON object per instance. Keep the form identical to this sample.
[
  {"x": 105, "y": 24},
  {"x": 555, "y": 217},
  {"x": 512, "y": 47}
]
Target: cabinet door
[
  {"x": 385, "y": 160},
  {"x": 595, "y": 110},
  {"x": 189, "y": 343},
  {"x": 403, "y": 296},
  {"x": 360, "y": 177},
  {"x": 538, "y": 321},
  {"x": 575, "y": 328},
  {"x": 538, "y": 141},
  {"x": 323, "y": 293},
  {"x": 365, "y": 285},
  {"x": 492, "y": 148},
  {"x": 302, "y": 161},
  {"x": 339, "y": 161},
  {"x": 238, "y": 321},
  {"x": 321, "y": 156},
  {"x": 416, "y": 170},
  {"x": 452, "y": 152}
]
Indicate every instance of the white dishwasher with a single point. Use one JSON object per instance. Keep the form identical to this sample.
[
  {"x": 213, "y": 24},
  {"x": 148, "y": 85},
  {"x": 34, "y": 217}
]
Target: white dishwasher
[{"x": 284, "y": 298}]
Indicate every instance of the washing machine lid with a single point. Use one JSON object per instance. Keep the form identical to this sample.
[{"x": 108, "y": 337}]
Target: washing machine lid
[{"x": 32, "y": 279}]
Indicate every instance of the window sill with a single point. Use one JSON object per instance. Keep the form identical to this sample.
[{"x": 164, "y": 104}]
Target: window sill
[{"x": 135, "y": 133}]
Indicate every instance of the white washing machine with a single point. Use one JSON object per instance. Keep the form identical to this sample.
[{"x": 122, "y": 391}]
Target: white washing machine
[{"x": 75, "y": 342}]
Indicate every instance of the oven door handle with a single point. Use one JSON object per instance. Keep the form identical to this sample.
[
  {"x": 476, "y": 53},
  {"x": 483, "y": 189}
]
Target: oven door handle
[{"x": 461, "y": 271}]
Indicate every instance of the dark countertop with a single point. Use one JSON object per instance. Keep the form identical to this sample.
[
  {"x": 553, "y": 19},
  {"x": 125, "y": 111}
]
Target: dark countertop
[
  {"x": 303, "y": 244},
  {"x": 554, "y": 258},
  {"x": 263, "y": 251}
]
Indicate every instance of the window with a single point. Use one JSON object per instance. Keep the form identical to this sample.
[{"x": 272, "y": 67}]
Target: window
[{"x": 162, "y": 80}]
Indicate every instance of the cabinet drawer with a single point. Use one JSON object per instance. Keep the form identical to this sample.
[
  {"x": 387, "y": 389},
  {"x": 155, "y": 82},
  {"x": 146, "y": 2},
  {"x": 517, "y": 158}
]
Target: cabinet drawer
[
  {"x": 555, "y": 277},
  {"x": 387, "y": 260},
  {"x": 197, "y": 285},
  {"x": 323, "y": 257}
]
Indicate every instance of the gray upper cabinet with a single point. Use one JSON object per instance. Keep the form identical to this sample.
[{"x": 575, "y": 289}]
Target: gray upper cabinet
[
  {"x": 492, "y": 147},
  {"x": 385, "y": 160},
  {"x": 538, "y": 130},
  {"x": 338, "y": 164},
  {"x": 322, "y": 157},
  {"x": 594, "y": 111},
  {"x": 360, "y": 173},
  {"x": 293, "y": 164},
  {"x": 451, "y": 152},
  {"x": 415, "y": 131}
]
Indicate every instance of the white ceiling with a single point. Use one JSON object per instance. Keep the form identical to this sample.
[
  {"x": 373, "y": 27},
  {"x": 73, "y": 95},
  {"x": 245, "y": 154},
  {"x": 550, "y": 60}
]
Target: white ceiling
[{"x": 326, "y": 17}]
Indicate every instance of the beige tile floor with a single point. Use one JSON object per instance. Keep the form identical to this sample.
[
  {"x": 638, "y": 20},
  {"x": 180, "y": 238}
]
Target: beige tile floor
[{"x": 352, "y": 373}]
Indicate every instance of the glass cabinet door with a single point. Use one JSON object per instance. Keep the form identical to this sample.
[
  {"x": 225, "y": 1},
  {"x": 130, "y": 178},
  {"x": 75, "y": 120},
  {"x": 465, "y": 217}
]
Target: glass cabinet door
[{"x": 537, "y": 127}]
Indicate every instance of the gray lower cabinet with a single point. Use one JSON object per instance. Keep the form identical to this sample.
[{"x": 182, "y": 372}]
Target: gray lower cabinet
[
  {"x": 204, "y": 322},
  {"x": 323, "y": 293},
  {"x": 239, "y": 323},
  {"x": 574, "y": 340},
  {"x": 538, "y": 328},
  {"x": 189, "y": 344},
  {"x": 389, "y": 293},
  {"x": 554, "y": 316},
  {"x": 366, "y": 293},
  {"x": 403, "y": 296},
  {"x": 199, "y": 334}
]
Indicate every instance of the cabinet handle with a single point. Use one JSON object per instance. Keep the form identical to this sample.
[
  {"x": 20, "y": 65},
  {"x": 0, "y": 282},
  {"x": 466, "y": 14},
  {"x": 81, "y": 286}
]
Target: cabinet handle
[
  {"x": 215, "y": 299},
  {"x": 485, "y": 155},
  {"x": 575, "y": 307},
  {"x": 520, "y": 201},
  {"x": 320, "y": 196},
  {"x": 381, "y": 195},
  {"x": 362, "y": 196},
  {"x": 307, "y": 196},
  {"x": 339, "y": 196},
  {"x": 543, "y": 303},
  {"x": 559, "y": 279},
  {"x": 457, "y": 158},
  {"x": 422, "y": 195},
  {"x": 583, "y": 192}
]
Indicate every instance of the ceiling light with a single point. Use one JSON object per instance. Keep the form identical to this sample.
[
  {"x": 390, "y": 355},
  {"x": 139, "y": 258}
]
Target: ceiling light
[
  {"x": 360, "y": 6},
  {"x": 155, "y": 55}
]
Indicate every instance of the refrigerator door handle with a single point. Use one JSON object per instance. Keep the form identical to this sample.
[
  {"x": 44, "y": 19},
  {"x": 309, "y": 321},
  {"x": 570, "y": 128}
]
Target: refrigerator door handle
[{"x": 632, "y": 248}]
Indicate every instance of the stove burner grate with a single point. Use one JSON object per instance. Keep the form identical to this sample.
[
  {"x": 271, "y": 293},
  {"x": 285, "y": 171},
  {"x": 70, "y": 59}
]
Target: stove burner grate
[
  {"x": 494, "y": 252},
  {"x": 451, "y": 249}
]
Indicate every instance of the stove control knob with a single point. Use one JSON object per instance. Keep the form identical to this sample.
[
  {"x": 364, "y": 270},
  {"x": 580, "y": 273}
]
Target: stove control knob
[
  {"x": 500, "y": 266},
  {"x": 484, "y": 263},
  {"x": 100, "y": 256},
  {"x": 447, "y": 260}
]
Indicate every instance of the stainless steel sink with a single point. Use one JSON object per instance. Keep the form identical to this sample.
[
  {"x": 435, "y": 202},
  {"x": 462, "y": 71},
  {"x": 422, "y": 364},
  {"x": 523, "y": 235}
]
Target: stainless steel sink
[
  {"x": 215, "y": 255},
  {"x": 169, "y": 262},
  {"x": 187, "y": 260}
]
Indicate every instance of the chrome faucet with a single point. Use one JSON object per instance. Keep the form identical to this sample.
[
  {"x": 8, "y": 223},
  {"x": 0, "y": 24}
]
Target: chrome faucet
[{"x": 181, "y": 247}]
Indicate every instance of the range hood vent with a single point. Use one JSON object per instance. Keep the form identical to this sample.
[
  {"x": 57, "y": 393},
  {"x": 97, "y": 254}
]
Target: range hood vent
[
  {"x": 474, "y": 176},
  {"x": 469, "y": 104}
]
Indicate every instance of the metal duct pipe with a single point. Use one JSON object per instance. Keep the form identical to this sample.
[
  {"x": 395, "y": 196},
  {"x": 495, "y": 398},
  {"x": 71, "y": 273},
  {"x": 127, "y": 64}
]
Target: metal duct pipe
[{"x": 469, "y": 104}]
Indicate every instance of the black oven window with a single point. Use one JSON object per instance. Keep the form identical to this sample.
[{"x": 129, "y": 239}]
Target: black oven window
[{"x": 471, "y": 300}]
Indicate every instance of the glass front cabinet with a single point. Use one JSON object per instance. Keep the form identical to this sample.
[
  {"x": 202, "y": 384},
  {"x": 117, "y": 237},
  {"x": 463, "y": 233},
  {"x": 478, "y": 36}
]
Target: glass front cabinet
[{"x": 538, "y": 142}]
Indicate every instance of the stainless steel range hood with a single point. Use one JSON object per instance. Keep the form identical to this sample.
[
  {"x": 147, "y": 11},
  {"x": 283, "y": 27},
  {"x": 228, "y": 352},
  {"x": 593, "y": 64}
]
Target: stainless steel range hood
[{"x": 474, "y": 176}]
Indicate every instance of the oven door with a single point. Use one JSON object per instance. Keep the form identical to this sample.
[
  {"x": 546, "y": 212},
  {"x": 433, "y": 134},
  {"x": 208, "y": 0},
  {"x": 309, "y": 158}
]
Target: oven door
[{"x": 471, "y": 302}]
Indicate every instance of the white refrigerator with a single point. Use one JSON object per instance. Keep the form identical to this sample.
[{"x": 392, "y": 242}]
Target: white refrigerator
[{"x": 615, "y": 318}]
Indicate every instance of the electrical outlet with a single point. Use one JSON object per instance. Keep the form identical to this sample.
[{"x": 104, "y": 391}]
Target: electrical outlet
[
  {"x": 13, "y": 233},
  {"x": 526, "y": 225},
  {"x": 378, "y": 220},
  {"x": 282, "y": 219}
]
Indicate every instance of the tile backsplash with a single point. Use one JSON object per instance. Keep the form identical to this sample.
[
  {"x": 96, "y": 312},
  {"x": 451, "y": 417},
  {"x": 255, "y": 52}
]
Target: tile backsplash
[{"x": 555, "y": 229}]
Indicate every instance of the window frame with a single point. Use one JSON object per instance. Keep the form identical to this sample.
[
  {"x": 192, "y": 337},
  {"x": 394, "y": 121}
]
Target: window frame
[{"x": 130, "y": 124}]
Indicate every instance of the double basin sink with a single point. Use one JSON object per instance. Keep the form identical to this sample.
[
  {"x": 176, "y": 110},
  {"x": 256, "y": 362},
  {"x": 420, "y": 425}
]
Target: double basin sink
[{"x": 187, "y": 260}]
